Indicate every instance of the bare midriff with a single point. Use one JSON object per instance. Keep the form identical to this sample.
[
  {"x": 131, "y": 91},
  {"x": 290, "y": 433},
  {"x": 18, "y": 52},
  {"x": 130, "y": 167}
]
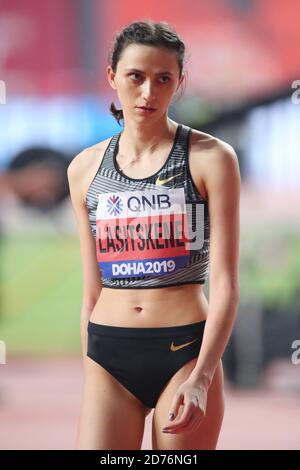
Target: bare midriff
[{"x": 167, "y": 306}]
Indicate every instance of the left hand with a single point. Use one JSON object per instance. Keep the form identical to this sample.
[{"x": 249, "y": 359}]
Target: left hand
[{"x": 194, "y": 398}]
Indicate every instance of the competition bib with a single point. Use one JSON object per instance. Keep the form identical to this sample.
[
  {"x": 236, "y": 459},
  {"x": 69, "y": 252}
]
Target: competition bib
[{"x": 141, "y": 232}]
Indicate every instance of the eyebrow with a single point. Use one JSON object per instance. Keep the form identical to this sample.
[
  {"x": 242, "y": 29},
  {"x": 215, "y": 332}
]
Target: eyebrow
[{"x": 158, "y": 73}]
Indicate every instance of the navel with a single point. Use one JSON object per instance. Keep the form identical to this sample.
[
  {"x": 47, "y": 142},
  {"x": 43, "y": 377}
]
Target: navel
[{"x": 138, "y": 309}]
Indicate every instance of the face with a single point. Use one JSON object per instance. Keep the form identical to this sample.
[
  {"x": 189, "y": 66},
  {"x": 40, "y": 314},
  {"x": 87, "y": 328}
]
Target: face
[{"x": 145, "y": 76}]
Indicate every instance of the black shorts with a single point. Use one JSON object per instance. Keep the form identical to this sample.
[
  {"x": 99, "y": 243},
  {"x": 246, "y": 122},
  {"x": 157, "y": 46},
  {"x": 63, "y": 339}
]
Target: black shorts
[{"x": 143, "y": 360}]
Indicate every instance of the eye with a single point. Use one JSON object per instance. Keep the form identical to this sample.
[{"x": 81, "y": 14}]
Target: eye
[
  {"x": 139, "y": 76},
  {"x": 165, "y": 76},
  {"x": 131, "y": 74}
]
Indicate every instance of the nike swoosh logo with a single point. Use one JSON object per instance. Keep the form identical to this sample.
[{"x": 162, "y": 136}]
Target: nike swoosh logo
[
  {"x": 175, "y": 348},
  {"x": 159, "y": 182}
]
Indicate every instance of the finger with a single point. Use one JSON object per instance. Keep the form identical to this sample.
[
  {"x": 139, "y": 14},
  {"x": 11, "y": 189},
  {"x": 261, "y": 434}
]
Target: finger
[
  {"x": 180, "y": 425},
  {"x": 197, "y": 404},
  {"x": 191, "y": 428},
  {"x": 188, "y": 410},
  {"x": 173, "y": 411},
  {"x": 193, "y": 425},
  {"x": 185, "y": 428},
  {"x": 185, "y": 416},
  {"x": 176, "y": 419},
  {"x": 189, "y": 425},
  {"x": 195, "y": 400},
  {"x": 184, "y": 420},
  {"x": 193, "y": 404}
]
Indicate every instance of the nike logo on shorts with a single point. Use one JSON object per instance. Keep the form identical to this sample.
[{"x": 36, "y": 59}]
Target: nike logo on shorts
[{"x": 174, "y": 347}]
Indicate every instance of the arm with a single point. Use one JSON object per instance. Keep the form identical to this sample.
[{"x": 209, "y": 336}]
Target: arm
[
  {"x": 223, "y": 187},
  {"x": 92, "y": 284}
]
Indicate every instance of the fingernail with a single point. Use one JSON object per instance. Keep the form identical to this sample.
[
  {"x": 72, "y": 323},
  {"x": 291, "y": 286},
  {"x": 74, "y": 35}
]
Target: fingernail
[{"x": 171, "y": 416}]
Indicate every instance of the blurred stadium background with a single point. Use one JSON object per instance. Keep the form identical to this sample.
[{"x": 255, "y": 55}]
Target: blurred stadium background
[{"x": 243, "y": 86}]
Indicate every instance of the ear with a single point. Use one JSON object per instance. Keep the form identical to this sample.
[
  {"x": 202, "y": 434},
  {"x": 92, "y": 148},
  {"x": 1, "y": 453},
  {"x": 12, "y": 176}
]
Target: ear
[
  {"x": 111, "y": 77},
  {"x": 182, "y": 78},
  {"x": 180, "y": 81}
]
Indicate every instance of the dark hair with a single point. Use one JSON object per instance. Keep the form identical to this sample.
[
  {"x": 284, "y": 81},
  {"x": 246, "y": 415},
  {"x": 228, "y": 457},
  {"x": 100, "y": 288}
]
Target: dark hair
[{"x": 145, "y": 32}]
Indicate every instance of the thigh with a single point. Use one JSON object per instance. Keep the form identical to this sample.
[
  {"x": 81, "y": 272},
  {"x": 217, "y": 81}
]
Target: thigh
[
  {"x": 206, "y": 435},
  {"x": 107, "y": 412}
]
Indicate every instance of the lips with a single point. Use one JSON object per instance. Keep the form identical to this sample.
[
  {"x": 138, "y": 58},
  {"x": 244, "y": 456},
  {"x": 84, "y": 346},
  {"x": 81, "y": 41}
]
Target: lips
[{"x": 144, "y": 107}]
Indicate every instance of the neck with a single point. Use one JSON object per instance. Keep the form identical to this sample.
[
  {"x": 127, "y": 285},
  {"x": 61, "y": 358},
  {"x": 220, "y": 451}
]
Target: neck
[{"x": 138, "y": 140}]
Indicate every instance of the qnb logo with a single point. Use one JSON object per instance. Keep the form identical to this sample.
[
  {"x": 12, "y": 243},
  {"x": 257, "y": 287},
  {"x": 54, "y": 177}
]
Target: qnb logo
[
  {"x": 2, "y": 352},
  {"x": 142, "y": 203},
  {"x": 296, "y": 354},
  {"x": 114, "y": 205},
  {"x": 2, "y": 92}
]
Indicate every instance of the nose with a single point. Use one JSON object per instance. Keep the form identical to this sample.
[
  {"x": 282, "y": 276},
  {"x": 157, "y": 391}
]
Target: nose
[{"x": 147, "y": 91}]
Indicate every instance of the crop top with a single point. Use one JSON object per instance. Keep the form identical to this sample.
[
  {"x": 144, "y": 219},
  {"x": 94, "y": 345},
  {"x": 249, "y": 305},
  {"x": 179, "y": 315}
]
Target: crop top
[{"x": 149, "y": 232}]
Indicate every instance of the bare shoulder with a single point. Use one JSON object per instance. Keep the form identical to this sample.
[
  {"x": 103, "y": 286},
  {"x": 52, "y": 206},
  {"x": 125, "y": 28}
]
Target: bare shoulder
[
  {"x": 209, "y": 157},
  {"x": 83, "y": 158},
  {"x": 83, "y": 166},
  {"x": 210, "y": 146}
]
